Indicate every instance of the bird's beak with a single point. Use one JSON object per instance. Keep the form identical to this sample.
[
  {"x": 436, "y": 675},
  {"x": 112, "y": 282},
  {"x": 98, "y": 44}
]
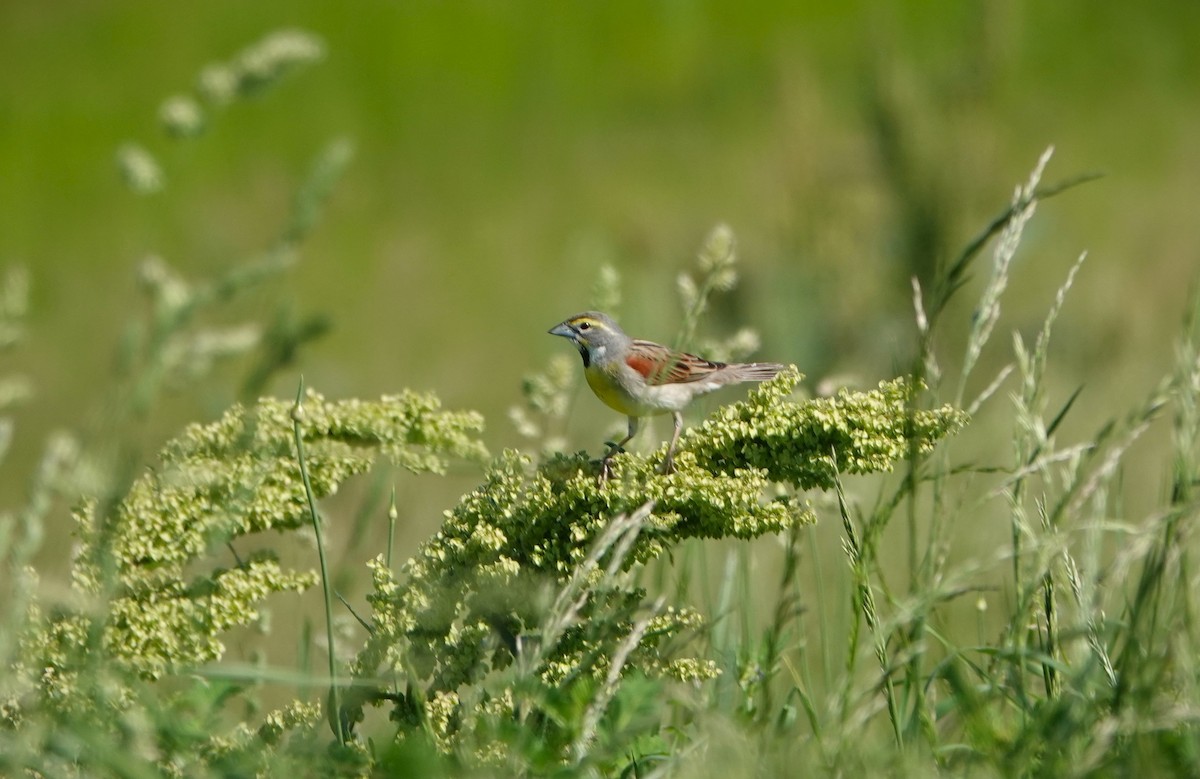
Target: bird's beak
[{"x": 566, "y": 331}]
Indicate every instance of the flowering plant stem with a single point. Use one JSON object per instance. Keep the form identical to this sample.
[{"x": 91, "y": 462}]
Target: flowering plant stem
[{"x": 335, "y": 703}]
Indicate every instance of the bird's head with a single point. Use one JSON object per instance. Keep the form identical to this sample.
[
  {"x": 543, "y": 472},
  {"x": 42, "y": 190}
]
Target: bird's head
[{"x": 595, "y": 334}]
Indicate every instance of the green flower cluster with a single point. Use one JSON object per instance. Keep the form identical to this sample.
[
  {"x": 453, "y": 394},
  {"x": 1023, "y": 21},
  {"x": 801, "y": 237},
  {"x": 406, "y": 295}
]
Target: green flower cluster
[
  {"x": 253, "y": 70},
  {"x": 247, "y": 751},
  {"x": 808, "y": 444},
  {"x": 471, "y": 585},
  {"x": 260, "y": 65},
  {"x": 475, "y": 599},
  {"x": 216, "y": 483}
]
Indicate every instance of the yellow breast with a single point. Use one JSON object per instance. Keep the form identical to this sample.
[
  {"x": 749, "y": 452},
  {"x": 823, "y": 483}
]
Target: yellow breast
[
  {"x": 609, "y": 390},
  {"x": 633, "y": 397}
]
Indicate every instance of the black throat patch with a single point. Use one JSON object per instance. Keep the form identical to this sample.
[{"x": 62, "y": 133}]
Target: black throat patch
[{"x": 587, "y": 358}]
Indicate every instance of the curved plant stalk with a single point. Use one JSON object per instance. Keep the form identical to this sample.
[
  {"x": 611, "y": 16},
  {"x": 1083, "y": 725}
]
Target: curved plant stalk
[{"x": 335, "y": 702}]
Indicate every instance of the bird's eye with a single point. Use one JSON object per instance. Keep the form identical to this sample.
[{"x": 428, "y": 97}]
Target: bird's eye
[{"x": 585, "y": 325}]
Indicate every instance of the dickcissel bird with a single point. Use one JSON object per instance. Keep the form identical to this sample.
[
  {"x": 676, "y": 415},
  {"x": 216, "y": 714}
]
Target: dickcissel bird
[{"x": 641, "y": 378}]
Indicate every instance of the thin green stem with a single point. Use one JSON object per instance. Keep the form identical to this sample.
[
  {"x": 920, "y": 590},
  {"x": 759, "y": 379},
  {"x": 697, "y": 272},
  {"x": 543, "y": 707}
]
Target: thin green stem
[
  {"x": 335, "y": 697},
  {"x": 392, "y": 515}
]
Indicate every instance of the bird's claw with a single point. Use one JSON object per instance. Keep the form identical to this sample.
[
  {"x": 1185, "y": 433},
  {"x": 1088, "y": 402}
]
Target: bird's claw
[
  {"x": 668, "y": 465},
  {"x": 605, "y": 469},
  {"x": 606, "y": 462}
]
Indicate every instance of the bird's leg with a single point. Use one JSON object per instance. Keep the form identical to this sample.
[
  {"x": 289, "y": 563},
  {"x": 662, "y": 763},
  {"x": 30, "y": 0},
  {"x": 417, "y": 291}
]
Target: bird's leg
[
  {"x": 669, "y": 462},
  {"x": 613, "y": 449}
]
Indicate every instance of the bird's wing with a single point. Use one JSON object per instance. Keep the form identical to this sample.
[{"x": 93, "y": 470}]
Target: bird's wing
[{"x": 660, "y": 365}]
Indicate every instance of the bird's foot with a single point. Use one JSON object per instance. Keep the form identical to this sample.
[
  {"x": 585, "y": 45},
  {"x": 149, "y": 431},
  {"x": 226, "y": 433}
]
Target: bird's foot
[
  {"x": 606, "y": 462},
  {"x": 668, "y": 466},
  {"x": 605, "y": 468}
]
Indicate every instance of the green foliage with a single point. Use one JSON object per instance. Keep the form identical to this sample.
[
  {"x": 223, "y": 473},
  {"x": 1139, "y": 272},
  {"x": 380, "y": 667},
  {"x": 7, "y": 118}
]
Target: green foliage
[
  {"x": 519, "y": 637},
  {"x": 547, "y": 628},
  {"x": 808, "y": 444},
  {"x": 474, "y": 599},
  {"x": 149, "y": 563}
]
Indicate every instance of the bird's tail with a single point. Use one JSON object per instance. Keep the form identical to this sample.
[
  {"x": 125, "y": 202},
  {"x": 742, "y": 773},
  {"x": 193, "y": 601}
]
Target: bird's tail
[{"x": 753, "y": 371}]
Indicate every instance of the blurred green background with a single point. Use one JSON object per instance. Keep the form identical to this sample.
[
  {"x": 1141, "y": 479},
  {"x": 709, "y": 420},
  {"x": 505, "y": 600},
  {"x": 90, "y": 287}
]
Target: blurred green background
[{"x": 505, "y": 151}]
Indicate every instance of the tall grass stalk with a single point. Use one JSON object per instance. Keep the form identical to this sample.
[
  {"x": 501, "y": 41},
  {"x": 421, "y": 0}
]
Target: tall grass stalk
[
  {"x": 717, "y": 265},
  {"x": 600, "y": 701},
  {"x": 614, "y": 544},
  {"x": 335, "y": 695},
  {"x": 864, "y": 602}
]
